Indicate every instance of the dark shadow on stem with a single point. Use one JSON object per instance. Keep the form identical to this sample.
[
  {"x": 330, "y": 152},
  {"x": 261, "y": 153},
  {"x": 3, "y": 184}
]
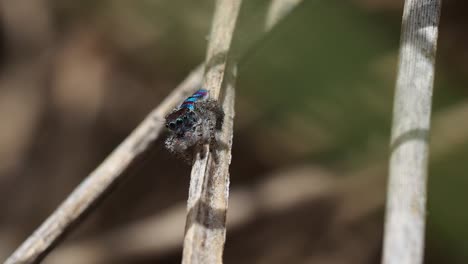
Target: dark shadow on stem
[
  {"x": 421, "y": 134},
  {"x": 207, "y": 216}
]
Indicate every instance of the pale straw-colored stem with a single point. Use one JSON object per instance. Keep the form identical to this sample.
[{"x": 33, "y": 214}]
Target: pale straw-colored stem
[
  {"x": 406, "y": 197},
  {"x": 205, "y": 230}
]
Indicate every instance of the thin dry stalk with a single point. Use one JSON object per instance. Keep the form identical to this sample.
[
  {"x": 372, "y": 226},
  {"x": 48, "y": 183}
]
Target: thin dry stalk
[
  {"x": 209, "y": 187},
  {"x": 209, "y": 183},
  {"x": 406, "y": 198}
]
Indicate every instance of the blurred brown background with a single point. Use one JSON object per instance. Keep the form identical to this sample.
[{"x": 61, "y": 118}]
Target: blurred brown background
[{"x": 311, "y": 133}]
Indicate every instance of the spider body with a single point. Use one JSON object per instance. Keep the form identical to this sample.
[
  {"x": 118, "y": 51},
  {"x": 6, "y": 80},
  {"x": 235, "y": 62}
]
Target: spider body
[{"x": 193, "y": 124}]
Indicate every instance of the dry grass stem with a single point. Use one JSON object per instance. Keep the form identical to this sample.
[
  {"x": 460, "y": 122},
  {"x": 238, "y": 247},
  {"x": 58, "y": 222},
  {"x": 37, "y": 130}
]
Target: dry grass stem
[
  {"x": 205, "y": 230},
  {"x": 406, "y": 198},
  {"x": 209, "y": 187}
]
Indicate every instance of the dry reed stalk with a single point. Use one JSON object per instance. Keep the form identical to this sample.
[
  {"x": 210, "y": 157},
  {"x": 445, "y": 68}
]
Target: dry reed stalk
[
  {"x": 406, "y": 197},
  {"x": 207, "y": 204},
  {"x": 205, "y": 229}
]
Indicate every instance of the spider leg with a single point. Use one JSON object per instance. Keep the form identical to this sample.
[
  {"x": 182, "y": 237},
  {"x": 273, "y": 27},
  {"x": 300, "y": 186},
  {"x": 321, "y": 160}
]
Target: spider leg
[
  {"x": 173, "y": 143},
  {"x": 169, "y": 144},
  {"x": 187, "y": 156},
  {"x": 198, "y": 127}
]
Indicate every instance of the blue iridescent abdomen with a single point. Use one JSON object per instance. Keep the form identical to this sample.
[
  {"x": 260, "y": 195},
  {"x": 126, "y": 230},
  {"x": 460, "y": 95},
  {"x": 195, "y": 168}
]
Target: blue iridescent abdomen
[
  {"x": 184, "y": 118},
  {"x": 197, "y": 96}
]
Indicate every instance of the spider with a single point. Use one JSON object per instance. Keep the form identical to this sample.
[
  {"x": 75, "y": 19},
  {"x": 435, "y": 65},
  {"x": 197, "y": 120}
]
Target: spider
[{"x": 193, "y": 124}]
